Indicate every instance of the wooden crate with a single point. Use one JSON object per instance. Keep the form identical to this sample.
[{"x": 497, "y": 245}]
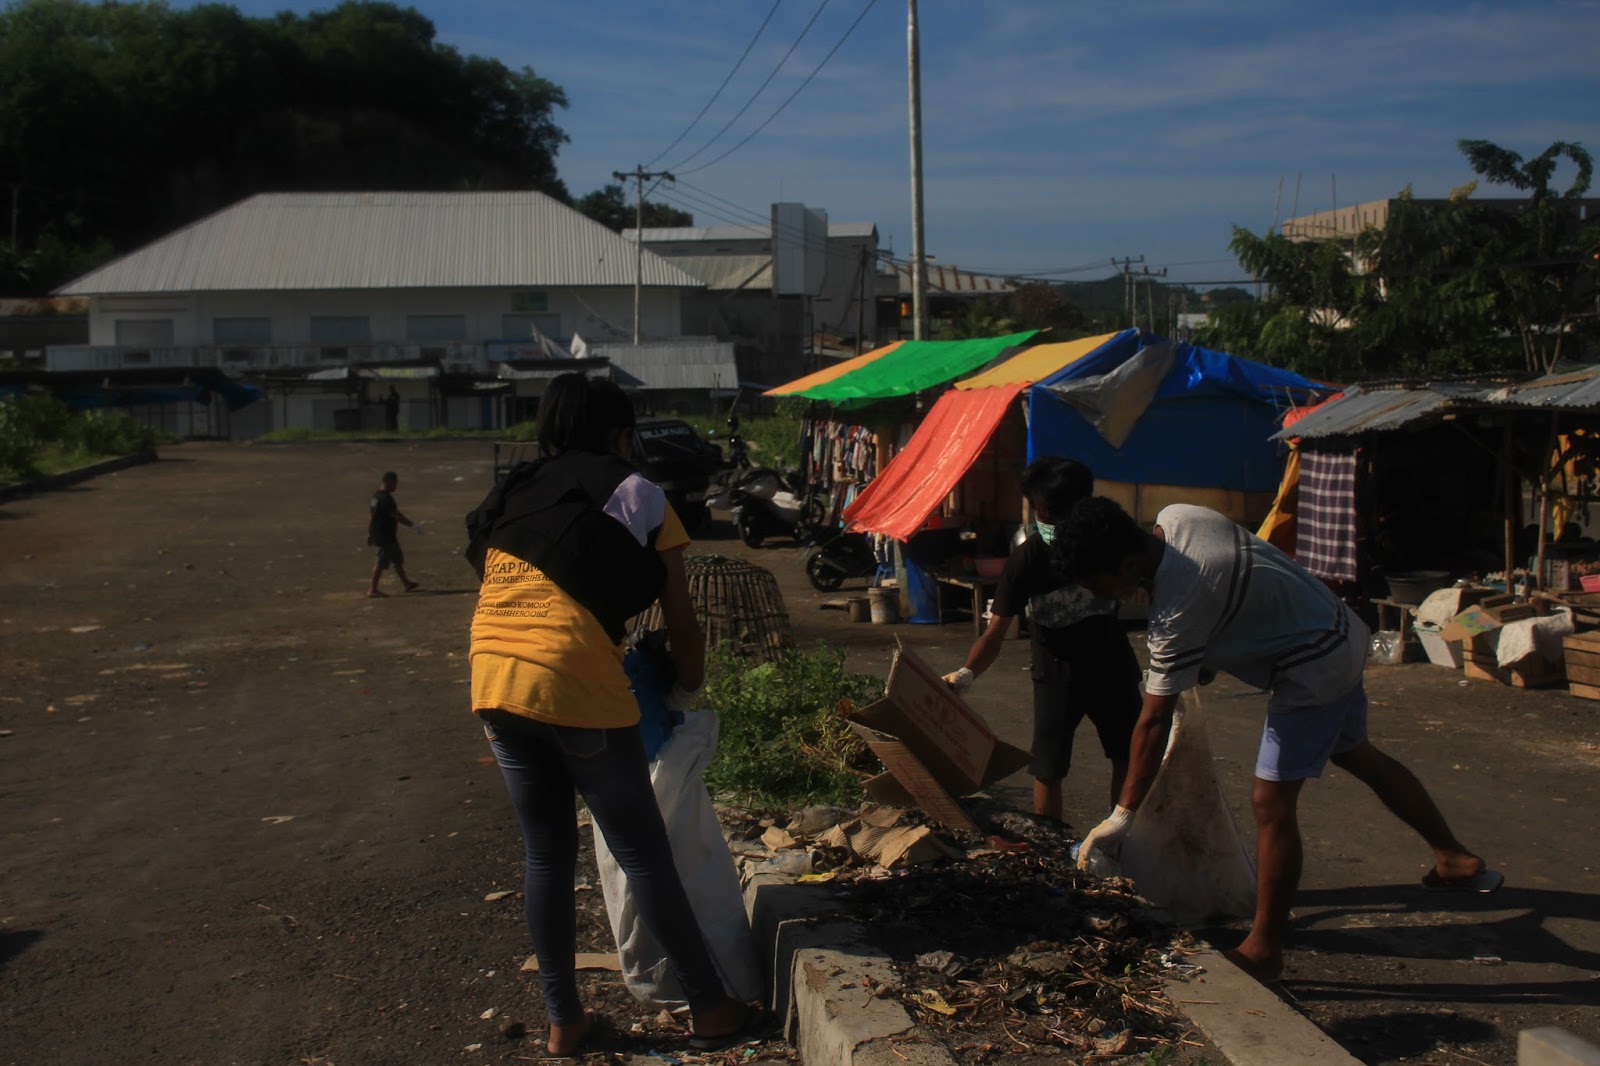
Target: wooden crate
[
  {"x": 1532, "y": 672},
  {"x": 1583, "y": 664}
]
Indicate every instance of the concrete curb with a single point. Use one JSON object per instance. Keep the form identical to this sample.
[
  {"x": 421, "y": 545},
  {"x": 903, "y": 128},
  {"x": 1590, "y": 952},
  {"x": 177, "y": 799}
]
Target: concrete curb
[
  {"x": 72, "y": 477},
  {"x": 822, "y": 971},
  {"x": 1247, "y": 1022}
]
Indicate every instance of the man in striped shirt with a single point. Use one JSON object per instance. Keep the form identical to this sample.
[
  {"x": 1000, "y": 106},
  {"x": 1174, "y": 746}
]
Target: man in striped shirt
[{"x": 1222, "y": 599}]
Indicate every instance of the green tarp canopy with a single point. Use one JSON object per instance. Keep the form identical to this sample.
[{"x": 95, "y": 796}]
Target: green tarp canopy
[{"x": 914, "y": 366}]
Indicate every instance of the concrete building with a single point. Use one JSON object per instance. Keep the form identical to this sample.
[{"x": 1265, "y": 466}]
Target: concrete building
[
  {"x": 790, "y": 294},
  {"x": 360, "y": 310}
]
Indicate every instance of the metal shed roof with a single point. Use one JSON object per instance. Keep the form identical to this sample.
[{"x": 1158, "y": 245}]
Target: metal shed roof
[
  {"x": 1570, "y": 389},
  {"x": 728, "y": 273},
  {"x": 1358, "y": 411},
  {"x": 390, "y": 240}
]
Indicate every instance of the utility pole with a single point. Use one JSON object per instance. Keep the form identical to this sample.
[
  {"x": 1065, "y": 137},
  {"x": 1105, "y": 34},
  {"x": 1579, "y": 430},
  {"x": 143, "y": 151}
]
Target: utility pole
[
  {"x": 639, "y": 175},
  {"x": 1149, "y": 277},
  {"x": 1127, "y": 284},
  {"x": 919, "y": 269}
]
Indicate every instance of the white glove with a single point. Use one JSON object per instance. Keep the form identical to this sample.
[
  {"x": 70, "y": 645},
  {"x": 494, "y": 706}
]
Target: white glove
[
  {"x": 1107, "y": 836},
  {"x": 681, "y": 699},
  {"x": 960, "y": 680}
]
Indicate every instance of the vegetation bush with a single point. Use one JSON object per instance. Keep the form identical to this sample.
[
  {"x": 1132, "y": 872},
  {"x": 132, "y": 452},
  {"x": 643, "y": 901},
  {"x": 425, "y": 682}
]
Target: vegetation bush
[
  {"x": 37, "y": 430},
  {"x": 784, "y": 743}
]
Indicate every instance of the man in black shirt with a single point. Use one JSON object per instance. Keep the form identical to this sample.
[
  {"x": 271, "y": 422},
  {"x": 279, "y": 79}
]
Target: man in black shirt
[
  {"x": 1082, "y": 663},
  {"x": 383, "y": 533}
]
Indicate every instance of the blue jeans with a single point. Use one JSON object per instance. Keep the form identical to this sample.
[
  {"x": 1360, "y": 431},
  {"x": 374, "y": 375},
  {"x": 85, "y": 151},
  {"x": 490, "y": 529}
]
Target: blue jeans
[{"x": 543, "y": 764}]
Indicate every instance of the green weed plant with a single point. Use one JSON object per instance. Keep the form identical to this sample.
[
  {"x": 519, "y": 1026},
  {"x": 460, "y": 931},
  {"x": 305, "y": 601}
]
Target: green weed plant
[
  {"x": 39, "y": 435},
  {"x": 784, "y": 744}
]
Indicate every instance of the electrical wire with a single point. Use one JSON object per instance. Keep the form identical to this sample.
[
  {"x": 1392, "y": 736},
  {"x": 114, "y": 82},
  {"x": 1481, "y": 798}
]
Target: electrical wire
[
  {"x": 716, "y": 136},
  {"x": 716, "y": 95},
  {"x": 815, "y": 71}
]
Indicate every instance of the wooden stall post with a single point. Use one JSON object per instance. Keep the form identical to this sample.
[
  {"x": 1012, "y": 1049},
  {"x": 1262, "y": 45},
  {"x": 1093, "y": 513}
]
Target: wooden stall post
[
  {"x": 1512, "y": 510},
  {"x": 1546, "y": 475}
]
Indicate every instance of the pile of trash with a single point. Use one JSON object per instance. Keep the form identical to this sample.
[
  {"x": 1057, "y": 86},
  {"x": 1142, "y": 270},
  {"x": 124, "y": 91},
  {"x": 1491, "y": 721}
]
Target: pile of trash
[{"x": 1000, "y": 944}]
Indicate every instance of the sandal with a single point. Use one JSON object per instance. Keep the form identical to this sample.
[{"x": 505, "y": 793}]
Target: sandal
[{"x": 750, "y": 1028}]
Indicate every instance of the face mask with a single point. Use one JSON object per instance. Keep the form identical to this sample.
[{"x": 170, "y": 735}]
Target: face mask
[{"x": 1047, "y": 533}]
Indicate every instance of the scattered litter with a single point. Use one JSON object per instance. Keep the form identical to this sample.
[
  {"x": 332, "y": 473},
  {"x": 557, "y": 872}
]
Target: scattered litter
[
  {"x": 1488, "y": 960},
  {"x": 495, "y": 897},
  {"x": 486, "y": 1015},
  {"x": 932, "y": 1000},
  {"x": 804, "y": 879},
  {"x": 278, "y": 819},
  {"x": 7, "y": 732},
  {"x": 82, "y": 629}
]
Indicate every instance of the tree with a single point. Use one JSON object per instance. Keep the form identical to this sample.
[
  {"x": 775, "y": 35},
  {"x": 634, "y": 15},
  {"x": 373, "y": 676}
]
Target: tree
[
  {"x": 122, "y": 121},
  {"x": 610, "y": 206}
]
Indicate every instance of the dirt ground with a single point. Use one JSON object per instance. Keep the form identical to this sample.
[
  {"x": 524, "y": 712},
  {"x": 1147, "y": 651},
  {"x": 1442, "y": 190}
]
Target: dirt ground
[{"x": 248, "y": 819}]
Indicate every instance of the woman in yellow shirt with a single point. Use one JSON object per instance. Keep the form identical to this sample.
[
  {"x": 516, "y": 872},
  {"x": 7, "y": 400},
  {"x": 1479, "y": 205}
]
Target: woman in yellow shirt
[{"x": 568, "y": 548}]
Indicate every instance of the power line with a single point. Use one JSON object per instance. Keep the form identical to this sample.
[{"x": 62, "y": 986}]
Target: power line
[
  {"x": 815, "y": 71},
  {"x": 716, "y": 95},
  {"x": 714, "y": 138}
]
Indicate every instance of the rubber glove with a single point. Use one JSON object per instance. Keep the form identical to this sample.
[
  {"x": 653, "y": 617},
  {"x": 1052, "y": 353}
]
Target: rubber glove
[
  {"x": 960, "y": 680},
  {"x": 1107, "y": 836}
]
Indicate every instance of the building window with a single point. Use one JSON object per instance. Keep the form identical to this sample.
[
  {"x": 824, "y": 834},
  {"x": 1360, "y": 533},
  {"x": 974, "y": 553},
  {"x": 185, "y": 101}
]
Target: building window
[
  {"x": 535, "y": 301},
  {"x": 425, "y": 328},
  {"x": 229, "y": 331},
  {"x": 334, "y": 330},
  {"x": 144, "y": 332}
]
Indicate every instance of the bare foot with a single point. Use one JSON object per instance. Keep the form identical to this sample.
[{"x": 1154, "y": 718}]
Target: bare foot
[
  {"x": 376, "y": 595},
  {"x": 565, "y": 1039},
  {"x": 1267, "y": 970}
]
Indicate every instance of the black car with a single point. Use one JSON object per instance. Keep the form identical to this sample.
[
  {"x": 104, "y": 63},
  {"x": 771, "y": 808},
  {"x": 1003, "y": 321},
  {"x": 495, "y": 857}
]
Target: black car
[{"x": 669, "y": 452}]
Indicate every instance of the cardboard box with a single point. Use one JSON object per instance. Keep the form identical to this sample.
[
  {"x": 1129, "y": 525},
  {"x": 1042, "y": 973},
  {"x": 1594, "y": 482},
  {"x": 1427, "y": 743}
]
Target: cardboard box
[
  {"x": 1476, "y": 629},
  {"x": 934, "y": 747}
]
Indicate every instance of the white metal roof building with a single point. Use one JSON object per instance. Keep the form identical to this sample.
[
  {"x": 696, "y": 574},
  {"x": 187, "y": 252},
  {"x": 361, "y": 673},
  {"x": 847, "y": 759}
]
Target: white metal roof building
[{"x": 396, "y": 240}]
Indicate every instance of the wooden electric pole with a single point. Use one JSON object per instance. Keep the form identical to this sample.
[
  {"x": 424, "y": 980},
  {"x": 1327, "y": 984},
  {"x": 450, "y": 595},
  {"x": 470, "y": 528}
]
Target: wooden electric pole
[{"x": 640, "y": 175}]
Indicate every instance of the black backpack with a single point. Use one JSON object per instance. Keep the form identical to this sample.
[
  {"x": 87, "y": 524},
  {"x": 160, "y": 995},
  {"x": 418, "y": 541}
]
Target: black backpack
[{"x": 549, "y": 512}]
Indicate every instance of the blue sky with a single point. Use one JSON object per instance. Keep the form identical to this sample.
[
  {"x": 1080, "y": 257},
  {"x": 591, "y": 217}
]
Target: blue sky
[{"x": 1057, "y": 133}]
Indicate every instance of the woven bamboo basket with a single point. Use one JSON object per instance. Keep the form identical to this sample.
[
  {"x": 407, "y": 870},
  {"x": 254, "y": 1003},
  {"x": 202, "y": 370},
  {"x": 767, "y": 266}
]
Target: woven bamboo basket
[{"x": 738, "y": 604}]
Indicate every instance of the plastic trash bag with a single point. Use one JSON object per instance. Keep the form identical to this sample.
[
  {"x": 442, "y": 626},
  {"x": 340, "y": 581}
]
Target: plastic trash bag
[
  {"x": 1184, "y": 851},
  {"x": 1387, "y": 650},
  {"x": 705, "y": 865}
]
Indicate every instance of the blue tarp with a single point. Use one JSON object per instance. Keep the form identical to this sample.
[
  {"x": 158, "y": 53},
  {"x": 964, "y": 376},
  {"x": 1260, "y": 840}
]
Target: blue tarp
[{"x": 1208, "y": 423}]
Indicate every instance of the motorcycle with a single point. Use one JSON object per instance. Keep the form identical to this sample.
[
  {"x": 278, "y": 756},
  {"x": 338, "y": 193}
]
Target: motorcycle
[
  {"x": 840, "y": 558},
  {"x": 764, "y": 504}
]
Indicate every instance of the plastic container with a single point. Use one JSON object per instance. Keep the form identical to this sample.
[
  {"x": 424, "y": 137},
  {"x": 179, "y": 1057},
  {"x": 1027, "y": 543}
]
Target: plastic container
[
  {"x": 860, "y": 609},
  {"x": 1440, "y": 652},
  {"x": 922, "y": 589},
  {"x": 884, "y": 606},
  {"x": 1590, "y": 582}
]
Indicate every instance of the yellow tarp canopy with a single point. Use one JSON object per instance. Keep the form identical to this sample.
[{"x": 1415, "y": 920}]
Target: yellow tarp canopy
[{"x": 1034, "y": 364}]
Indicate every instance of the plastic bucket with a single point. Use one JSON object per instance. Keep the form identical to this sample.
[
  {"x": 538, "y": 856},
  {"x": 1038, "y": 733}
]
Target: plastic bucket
[
  {"x": 860, "y": 609},
  {"x": 885, "y": 607}
]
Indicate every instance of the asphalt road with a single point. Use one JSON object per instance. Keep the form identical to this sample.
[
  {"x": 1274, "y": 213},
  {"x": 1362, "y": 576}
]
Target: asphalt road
[{"x": 246, "y": 816}]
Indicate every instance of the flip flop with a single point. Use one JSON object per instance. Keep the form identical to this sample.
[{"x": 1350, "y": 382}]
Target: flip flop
[
  {"x": 749, "y": 1028},
  {"x": 1482, "y": 882}
]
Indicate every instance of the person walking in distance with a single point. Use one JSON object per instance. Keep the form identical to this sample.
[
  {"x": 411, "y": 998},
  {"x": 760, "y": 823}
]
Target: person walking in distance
[
  {"x": 568, "y": 548},
  {"x": 383, "y": 532},
  {"x": 1082, "y": 662},
  {"x": 1224, "y": 599}
]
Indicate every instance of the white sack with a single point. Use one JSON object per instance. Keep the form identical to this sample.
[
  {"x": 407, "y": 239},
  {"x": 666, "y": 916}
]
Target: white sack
[
  {"x": 1184, "y": 851},
  {"x": 705, "y": 865}
]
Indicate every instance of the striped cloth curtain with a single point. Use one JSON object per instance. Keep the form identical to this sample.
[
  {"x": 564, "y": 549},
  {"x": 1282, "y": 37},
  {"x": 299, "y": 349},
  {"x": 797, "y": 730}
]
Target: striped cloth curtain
[{"x": 1325, "y": 521}]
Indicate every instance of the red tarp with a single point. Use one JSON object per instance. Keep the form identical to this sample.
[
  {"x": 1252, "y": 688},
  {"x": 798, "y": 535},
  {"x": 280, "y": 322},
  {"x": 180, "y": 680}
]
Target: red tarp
[{"x": 899, "y": 500}]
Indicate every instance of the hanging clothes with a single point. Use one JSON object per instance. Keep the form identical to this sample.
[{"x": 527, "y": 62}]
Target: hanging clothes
[{"x": 1325, "y": 524}]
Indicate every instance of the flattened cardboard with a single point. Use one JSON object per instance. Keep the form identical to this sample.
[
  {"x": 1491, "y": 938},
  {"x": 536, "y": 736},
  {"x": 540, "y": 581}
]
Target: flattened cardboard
[
  {"x": 1476, "y": 628},
  {"x": 933, "y": 745}
]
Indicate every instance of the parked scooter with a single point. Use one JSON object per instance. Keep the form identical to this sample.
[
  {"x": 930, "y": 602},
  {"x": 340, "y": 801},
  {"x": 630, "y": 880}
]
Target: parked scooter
[
  {"x": 839, "y": 558},
  {"x": 764, "y": 504}
]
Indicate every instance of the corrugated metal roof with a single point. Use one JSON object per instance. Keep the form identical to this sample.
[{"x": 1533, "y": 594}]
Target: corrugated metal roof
[
  {"x": 740, "y": 231},
  {"x": 689, "y": 363},
  {"x": 728, "y": 273},
  {"x": 1359, "y": 411},
  {"x": 947, "y": 278},
  {"x": 1574, "y": 389},
  {"x": 392, "y": 240}
]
